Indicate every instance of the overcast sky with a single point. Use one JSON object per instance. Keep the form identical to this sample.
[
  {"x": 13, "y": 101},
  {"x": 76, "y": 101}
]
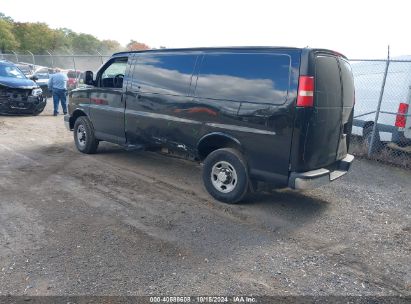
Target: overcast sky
[{"x": 358, "y": 29}]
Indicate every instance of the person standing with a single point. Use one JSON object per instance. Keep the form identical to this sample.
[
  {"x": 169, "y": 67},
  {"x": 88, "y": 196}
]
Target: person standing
[{"x": 58, "y": 86}]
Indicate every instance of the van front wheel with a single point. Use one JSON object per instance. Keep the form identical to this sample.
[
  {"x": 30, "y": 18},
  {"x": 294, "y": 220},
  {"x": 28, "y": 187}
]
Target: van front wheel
[
  {"x": 84, "y": 136},
  {"x": 225, "y": 175}
]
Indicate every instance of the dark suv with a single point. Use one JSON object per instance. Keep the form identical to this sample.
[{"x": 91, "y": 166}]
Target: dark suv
[
  {"x": 278, "y": 115},
  {"x": 18, "y": 94}
]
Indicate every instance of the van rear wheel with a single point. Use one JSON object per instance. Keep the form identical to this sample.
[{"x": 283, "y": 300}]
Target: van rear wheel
[
  {"x": 84, "y": 137},
  {"x": 225, "y": 175}
]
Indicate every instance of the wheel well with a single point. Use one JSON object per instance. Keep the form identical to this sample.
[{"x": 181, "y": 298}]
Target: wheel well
[
  {"x": 214, "y": 142},
  {"x": 76, "y": 114}
]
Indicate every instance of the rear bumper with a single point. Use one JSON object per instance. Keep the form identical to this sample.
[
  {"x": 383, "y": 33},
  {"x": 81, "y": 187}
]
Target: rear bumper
[{"x": 319, "y": 177}]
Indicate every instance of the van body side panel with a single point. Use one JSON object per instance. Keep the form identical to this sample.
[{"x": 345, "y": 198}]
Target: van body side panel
[
  {"x": 175, "y": 99},
  {"x": 158, "y": 101},
  {"x": 268, "y": 148},
  {"x": 150, "y": 120},
  {"x": 269, "y": 153},
  {"x": 250, "y": 96}
]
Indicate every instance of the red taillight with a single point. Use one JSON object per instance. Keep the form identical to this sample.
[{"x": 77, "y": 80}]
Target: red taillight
[
  {"x": 305, "y": 91},
  {"x": 401, "y": 118}
]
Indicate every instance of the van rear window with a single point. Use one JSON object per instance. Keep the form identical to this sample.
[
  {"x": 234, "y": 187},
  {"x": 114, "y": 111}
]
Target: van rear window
[
  {"x": 260, "y": 78},
  {"x": 327, "y": 82}
]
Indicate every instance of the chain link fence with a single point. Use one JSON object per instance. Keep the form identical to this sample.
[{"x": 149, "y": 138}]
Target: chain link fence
[
  {"x": 382, "y": 113},
  {"x": 65, "y": 62},
  {"x": 382, "y": 120}
]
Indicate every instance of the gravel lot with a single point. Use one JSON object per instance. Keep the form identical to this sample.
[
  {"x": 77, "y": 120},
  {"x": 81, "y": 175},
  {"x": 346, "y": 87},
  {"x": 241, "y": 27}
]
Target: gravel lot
[{"x": 140, "y": 223}]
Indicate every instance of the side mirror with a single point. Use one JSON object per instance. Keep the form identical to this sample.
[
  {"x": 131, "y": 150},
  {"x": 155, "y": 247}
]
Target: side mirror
[
  {"x": 89, "y": 78},
  {"x": 34, "y": 78}
]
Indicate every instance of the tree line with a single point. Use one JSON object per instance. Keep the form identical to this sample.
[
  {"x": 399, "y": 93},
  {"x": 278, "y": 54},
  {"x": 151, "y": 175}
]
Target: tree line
[{"x": 39, "y": 38}]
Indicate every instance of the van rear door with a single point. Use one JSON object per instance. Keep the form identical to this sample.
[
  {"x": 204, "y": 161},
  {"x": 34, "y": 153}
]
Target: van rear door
[
  {"x": 323, "y": 128},
  {"x": 348, "y": 97}
]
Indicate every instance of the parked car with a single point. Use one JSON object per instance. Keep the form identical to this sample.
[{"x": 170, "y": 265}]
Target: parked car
[
  {"x": 80, "y": 80},
  {"x": 394, "y": 122},
  {"x": 26, "y": 68},
  {"x": 73, "y": 78},
  {"x": 278, "y": 115},
  {"x": 18, "y": 94},
  {"x": 42, "y": 79}
]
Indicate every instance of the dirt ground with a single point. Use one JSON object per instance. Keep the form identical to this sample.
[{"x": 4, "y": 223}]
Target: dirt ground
[{"x": 140, "y": 223}]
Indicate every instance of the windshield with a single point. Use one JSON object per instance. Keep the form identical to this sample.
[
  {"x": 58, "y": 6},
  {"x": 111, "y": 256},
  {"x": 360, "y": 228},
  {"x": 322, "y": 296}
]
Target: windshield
[{"x": 11, "y": 71}]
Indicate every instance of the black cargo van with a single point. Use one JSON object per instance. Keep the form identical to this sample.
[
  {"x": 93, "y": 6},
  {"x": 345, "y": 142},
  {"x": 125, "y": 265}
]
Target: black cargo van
[{"x": 273, "y": 114}]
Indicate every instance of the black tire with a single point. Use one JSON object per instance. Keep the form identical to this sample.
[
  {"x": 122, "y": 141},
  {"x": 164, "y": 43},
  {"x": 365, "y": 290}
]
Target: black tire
[
  {"x": 232, "y": 187},
  {"x": 87, "y": 143},
  {"x": 39, "y": 107},
  {"x": 38, "y": 111},
  {"x": 367, "y": 137}
]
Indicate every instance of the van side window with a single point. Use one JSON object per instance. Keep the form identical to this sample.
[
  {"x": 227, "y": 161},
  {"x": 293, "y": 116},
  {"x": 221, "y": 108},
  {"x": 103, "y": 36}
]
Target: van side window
[
  {"x": 113, "y": 75},
  {"x": 259, "y": 78},
  {"x": 168, "y": 74},
  {"x": 327, "y": 82}
]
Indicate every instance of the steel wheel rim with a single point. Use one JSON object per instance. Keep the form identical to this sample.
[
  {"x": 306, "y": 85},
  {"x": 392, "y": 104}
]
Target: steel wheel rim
[
  {"x": 224, "y": 177},
  {"x": 81, "y": 136}
]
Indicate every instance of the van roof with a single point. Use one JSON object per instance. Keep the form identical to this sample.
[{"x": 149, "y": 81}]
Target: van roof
[{"x": 228, "y": 48}]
